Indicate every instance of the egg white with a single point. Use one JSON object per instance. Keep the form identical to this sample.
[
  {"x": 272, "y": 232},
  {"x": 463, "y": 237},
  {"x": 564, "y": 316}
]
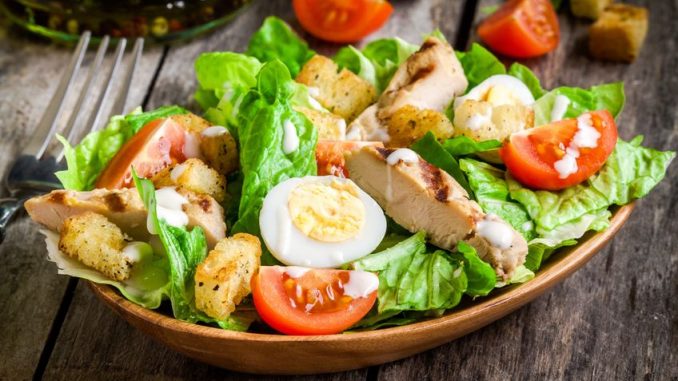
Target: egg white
[
  {"x": 292, "y": 247},
  {"x": 518, "y": 89}
]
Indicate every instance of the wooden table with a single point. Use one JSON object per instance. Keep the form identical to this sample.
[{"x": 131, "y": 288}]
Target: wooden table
[{"x": 614, "y": 319}]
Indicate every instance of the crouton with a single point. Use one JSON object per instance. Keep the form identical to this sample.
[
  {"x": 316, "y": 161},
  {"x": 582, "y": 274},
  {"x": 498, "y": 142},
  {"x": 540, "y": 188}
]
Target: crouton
[
  {"x": 410, "y": 123},
  {"x": 219, "y": 149},
  {"x": 479, "y": 120},
  {"x": 195, "y": 176},
  {"x": 619, "y": 33},
  {"x": 591, "y": 9},
  {"x": 96, "y": 242},
  {"x": 191, "y": 122},
  {"x": 329, "y": 126},
  {"x": 222, "y": 280},
  {"x": 340, "y": 91}
]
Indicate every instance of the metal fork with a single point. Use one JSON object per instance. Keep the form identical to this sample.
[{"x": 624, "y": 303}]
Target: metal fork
[{"x": 32, "y": 173}]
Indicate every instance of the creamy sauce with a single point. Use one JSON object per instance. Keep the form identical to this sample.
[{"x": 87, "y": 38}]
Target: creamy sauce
[
  {"x": 136, "y": 251},
  {"x": 585, "y": 137},
  {"x": 405, "y": 155},
  {"x": 296, "y": 272},
  {"x": 315, "y": 104},
  {"x": 214, "y": 131},
  {"x": 527, "y": 225},
  {"x": 191, "y": 146},
  {"x": 314, "y": 91},
  {"x": 290, "y": 138},
  {"x": 477, "y": 121},
  {"x": 360, "y": 284},
  {"x": 177, "y": 171},
  {"x": 559, "y": 107},
  {"x": 497, "y": 233},
  {"x": 229, "y": 92},
  {"x": 169, "y": 208},
  {"x": 457, "y": 272},
  {"x": 342, "y": 128}
]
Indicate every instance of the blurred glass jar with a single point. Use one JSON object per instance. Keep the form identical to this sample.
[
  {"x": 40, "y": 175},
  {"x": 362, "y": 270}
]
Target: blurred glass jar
[{"x": 156, "y": 20}]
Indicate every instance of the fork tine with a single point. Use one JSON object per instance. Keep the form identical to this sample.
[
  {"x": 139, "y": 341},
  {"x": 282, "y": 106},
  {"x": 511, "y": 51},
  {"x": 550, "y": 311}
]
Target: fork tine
[
  {"x": 47, "y": 126},
  {"x": 93, "y": 122},
  {"x": 92, "y": 74},
  {"x": 119, "y": 106}
]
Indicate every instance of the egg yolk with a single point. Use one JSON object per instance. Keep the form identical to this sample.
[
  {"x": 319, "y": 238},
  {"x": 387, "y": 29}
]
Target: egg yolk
[
  {"x": 327, "y": 212},
  {"x": 501, "y": 95}
]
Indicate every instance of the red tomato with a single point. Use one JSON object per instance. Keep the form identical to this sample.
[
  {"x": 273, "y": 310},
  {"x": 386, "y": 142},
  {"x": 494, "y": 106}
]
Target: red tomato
[
  {"x": 522, "y": 29},
  {"x": 342, "y": 21},
  {"x": 157, "y": 145},
  {"x": 311, "y": 304},
  {"x": 329, "y": 154},
  {"x": 531, "y": 155}
]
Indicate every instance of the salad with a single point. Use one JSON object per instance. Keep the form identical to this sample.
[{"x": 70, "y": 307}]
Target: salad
[{"x": 317, "y": 194}]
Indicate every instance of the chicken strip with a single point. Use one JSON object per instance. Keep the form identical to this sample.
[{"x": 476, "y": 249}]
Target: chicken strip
[
  {"x": 420, "y": 196},
  {"x": 428, "y": 80},
  {"x": 124, "y": 208}
]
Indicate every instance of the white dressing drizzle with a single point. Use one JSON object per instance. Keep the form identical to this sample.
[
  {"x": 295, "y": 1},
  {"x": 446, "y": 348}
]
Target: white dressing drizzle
[
  {"x": 314, "y": 91},
  {"x": 169, "y": 208},
  {"x": 191, "y": 146},
  {"x": 214, "y": 131},
  {"x": 296, "y": 272},
  {"x": 479, "y": 120},
  {"x": 405, "y": 155},
  {"x": 585, "y": 137},
  {"x": 136, "y": 251},
  {"x": 342, "y": 128},
  {"x": 360, "y": 284},
  {"x": 315, "y": 104},
  {"x": 559, "y": 107},
  {"x": 496, "y": 232},
  {"x": 177, "y": 171},
  {"x": 290, "y": 138}
]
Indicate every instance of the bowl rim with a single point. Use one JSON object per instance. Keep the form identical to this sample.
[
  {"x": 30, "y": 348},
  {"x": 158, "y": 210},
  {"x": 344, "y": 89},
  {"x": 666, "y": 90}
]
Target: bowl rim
[{"x": 559, "y": 267}]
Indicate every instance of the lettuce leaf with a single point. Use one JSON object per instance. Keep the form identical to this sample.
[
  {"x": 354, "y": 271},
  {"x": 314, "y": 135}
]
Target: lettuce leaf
[
  {"x": 603, "y": 97},
  {"x": 530, "y": 80},
  {"x": 88, "y": 159},
  {"x": 479, "y": 64},
  {"x": 432, "y": 151},
  {"x": 480, "y": 274},
  {"x": 412, "y": 280},
  {"x": 464, "y": 146},
  {"x": 263, "y": 163},
  {"x": 276, "y": 40},
  {"x": 185, "y": 250}
]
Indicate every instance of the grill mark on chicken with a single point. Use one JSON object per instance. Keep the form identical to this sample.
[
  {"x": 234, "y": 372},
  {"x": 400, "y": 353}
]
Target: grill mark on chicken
[
  {"x": 428, "y": 44},
  {"x": 422, "y": 73},
  {"x": 205, "y": 205},
  {"x": 114, "y": 202},
  {"x": 385, "y": 152},
  {"x": 434, "y": 180},
  {"x": 57, "y": 197}
]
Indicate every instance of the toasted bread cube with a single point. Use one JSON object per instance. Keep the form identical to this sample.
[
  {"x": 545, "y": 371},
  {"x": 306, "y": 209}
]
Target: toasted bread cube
[
  {"x": 191, "y": 122},
  {"x": 591, "y": 9},
  {"x": 619, "y": 33},
  {"x": 329, "y": 126},
  {"x": 222, "y": 280},
  {"x": 340, "y": 91},
  {"x": 96, "y": 242},
  {"x": 219, "y": 149},
  {"x": 479, "y": 120},
  {"x": 409, "y": 123},
  {"x": 195, "y": 176}
]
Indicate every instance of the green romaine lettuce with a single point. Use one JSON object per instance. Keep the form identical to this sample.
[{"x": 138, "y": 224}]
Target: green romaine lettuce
[
  {"x": 263, "y": 163},
  {"x": 481, "y": 276},
  {"x": 530, "y": 80},
  {"x": 479, "y": 64},
  {"x": 464, "y": 146},
  {"x": 608, "y": 97},
  {"x": 276, "y": 40},
  {"x": 88, "y": 159}
]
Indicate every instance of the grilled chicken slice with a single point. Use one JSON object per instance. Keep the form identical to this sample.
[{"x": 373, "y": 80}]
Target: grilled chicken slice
[
  {"x": 428, "y": 80},
  {"x": 419, "y": 196},
  {"x": 124, "y": 208}
]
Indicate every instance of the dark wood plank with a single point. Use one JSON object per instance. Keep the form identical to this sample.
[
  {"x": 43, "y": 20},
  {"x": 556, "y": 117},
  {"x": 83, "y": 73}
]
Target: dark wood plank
[
  {"x": 31, "y": 291},
  {"x": 615, "y": 318},
  {"x": 96, "y": 343}
]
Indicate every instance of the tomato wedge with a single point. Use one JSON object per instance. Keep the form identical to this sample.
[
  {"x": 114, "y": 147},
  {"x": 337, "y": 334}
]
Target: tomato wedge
[
  {"x": 157, "y": 145},
  {"x": 522, "y": 29},
  {"x": 300, "y": 301},
  {"x": 561, "y": 154},
  {"x": 342, "y": 21}
]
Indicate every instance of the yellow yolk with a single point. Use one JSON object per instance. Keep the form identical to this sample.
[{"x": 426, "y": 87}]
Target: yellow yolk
[
  {"x": 327, "y": 212},
  {"x": 501, "y": 95}
]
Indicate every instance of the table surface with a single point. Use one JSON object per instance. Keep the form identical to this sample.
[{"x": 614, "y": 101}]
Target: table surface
[{"x": 613, "y": 319}]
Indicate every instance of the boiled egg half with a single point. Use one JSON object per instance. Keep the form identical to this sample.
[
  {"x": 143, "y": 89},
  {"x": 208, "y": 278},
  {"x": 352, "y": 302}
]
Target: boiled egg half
[
  {"x": 500, "y": 89},
  {"x": 320, "y": 221}
]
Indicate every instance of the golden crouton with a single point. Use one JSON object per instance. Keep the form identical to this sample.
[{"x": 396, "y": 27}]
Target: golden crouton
[
  {"x": 479, "y": 120},
  {"x": 619, "y": 33},
  {"x": 195, "y": 176},
  {"x": 222, "y": 280},
  {"x": 409, "y": 123},
  {"x": 591, "y": 9},
  {"x": 191, "y": 122},
  {"x": 96, "y": 242},
  {"x": 219, "y": 150},
  {"x": 341, "y": 92},
  {"x": 329, "y": 126}
]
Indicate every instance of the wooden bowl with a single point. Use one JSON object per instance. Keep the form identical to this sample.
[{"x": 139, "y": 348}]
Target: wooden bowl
[{"x": 279, "y": 354}]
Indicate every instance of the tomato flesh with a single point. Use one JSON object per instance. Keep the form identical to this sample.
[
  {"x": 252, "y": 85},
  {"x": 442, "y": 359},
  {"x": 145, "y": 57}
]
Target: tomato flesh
[
  {"x": 531, "y": 155},
  {"x": 329, "y": 155},
  {"x": 311, "y": 304},
  {"x": 522, "y": 29},
  {"x": 341, "y": 21},
  {"x": 157, "y": 145}
]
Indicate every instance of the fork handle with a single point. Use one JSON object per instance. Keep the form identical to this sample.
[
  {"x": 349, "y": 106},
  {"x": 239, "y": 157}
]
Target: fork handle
[{"x": 8, "y": 208}]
